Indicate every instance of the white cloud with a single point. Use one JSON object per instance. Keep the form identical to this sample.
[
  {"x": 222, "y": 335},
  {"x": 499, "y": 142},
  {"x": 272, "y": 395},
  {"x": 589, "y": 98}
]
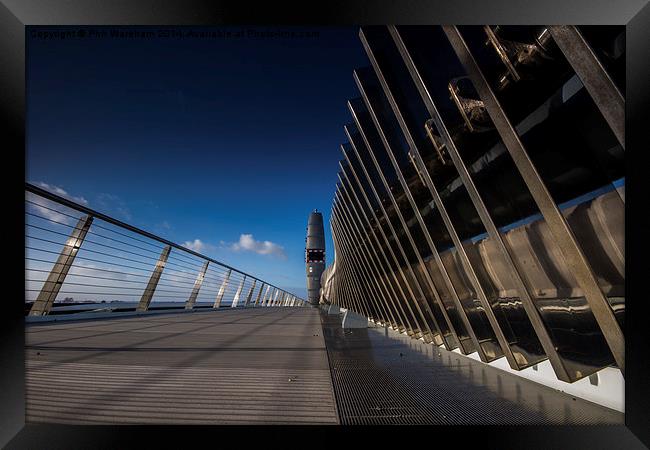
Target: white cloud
[
  {"x": 248, "y": 243},
  {"x": 197, "y": 245},
  {"x": 61, "y": 192},
  {"x": 51, "y": 210}
]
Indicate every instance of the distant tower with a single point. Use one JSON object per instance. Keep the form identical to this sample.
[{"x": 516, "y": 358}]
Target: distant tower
[{"x": 314, "y": 255}]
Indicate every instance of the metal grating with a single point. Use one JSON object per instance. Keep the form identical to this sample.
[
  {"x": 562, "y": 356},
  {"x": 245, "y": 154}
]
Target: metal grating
[
  {"x": 382, "y": 378},
  {"x": 232, "y": 366}
]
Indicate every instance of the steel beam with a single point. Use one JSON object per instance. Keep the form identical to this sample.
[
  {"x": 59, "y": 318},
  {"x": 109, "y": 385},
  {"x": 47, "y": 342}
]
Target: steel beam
[
  {"x": 145, "y": 300},
  {"x": 363, "y": 131},
  {"x": 46, "y": 297},
  {"x": 372, "y": 273},
  {"x": 197, "y": 286},
  {"x": 373, "y": 250},
  {"x": 408, "y": 317},
  {"x": 425, "y": 325},
  {"x": 363, "y": 279},
  {"x": 250, "y": 294},
  {"x": 259, "y": 294},
  {"x": 222, "y": 289},
  {"x": 559, "y": 227},
  {"x": 358, "y": 259},
  {"x": 374, "y": 114},
  {"x": 235, "y": 299},
  {"x": 593, "y": 75},
  {"x": 505, "y": 251}
]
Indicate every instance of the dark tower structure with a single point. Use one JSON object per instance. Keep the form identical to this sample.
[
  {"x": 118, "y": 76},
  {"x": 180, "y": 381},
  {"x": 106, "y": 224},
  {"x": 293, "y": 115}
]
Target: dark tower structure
[{"x": 314, "y": 255}]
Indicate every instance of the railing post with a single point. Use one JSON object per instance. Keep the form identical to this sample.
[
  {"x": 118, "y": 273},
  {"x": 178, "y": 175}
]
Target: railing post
[
  {"x": 197, "y": 286},
  {"x": 594, "y": 77},
  {"x": 222, "y": 289},
  {"x": 55, "y": 279},
  {"x": 238, "y": 293},
  {"x": 250, "y": 294},
  {"x": 145, "y": 300},
  {"x": 266, "y": 295},
  {"x": 259, "y": 295}
]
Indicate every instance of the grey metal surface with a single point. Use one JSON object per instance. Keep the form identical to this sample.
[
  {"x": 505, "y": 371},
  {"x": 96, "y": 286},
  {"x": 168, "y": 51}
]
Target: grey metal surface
[
  {"x": 407, "y": 190},
  {"x": 222, "y": 290},
  {"x": 233, "y": 366},
  {"x": 408, "y": 319},
  {"x": 57, "y": 275},
  {"x": 593, "y": 75},
  {"x": 558, "y": 225},
  {"x": 418, "y": 294},
  {"x": 436, "y": 307},
  {"x": 384, "y": 378},
  {"x": 197, "y": 286},
  {"x": 314, "y": 244},
  {"x": 356, "y": 206},
  {"x": 481, "y": 210},
  {"x": 145, "y": 300}
]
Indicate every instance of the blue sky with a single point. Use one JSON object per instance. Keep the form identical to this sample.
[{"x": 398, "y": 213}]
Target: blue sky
[{"x": 199, "y": 140}]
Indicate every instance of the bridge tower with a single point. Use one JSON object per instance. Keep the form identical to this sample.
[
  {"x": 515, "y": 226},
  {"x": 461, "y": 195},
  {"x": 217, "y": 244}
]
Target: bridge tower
[{"x": 314, "y": 255}]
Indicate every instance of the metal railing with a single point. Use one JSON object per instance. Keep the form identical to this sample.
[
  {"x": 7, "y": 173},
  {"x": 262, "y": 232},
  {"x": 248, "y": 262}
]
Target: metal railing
[
  {"x": 80, "y": 260},
  {"x": 456, "y": 217}
]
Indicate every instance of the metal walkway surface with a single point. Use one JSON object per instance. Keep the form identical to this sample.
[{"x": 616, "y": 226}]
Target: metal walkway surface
[
  {"x": 382, "y": 377},
  {"x": 232, "y": 366}
]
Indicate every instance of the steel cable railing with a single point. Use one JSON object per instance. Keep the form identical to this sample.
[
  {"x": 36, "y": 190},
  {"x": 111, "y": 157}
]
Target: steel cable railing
[{"x": 80, "y": 260}]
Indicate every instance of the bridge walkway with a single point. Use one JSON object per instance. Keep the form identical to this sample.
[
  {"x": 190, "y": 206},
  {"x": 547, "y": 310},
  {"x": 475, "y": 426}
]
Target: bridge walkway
[
  {"x": 232, "y": 366},
  {"x": 272, "y": 366}
]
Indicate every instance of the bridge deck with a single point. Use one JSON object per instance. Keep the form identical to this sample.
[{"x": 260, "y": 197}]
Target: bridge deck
[
  {"x": 253, "y": 366},
  {"x": 272, "y": 366}
]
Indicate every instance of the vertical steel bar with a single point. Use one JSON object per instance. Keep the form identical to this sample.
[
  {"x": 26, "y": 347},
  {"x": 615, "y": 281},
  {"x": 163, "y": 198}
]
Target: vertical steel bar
[
  {"x": 391, "y": 299},
  {"x": 374, "y": 277},
  {"x": 145, "y": 300},
  {"x": 414, "y": 149},
  {"x": 472, "y": 191},
  {"x": 222, "y": 290},
  {"x": 423, "y": 327},
  {"x": 57, "y": 275},
  {"x": 407, "y": 317},
  {"x": 558, "y": 226},
  {"x": 267, "y": 294},
  {"x": 235, "y": 299},
  {"x": 250, "y": 294},
  {"x": 259, "y": 294},
  {"x": 361, "y": 280},
  {"x": 197, "y": 286},
  {"x": 407, "y": 192},
  {"x": 363, "y": 256},
  {"x": 363, "y": 131},
  {"x": 593, "y": 75}
]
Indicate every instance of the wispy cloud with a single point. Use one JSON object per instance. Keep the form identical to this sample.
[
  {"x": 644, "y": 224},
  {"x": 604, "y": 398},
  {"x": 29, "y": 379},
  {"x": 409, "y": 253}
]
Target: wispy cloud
[
  {"x": 198, "y": 245},
  {"x": 51, "y": 210},
  {"x": 113, "y": 204},
  {"x": 247, "y": 243}
]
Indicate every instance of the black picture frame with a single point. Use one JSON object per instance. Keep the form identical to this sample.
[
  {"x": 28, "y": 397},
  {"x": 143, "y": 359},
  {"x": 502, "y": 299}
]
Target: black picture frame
[{"x": 15, "y": 15}]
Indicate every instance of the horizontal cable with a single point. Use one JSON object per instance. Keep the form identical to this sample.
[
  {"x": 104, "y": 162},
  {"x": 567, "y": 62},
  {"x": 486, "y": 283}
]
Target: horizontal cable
[
  {"x": 53, "y": 210},
  {"x": 212, "y": 269},
  {"x": 118, "y": 287},
  {"x": 88, "y": 241}
]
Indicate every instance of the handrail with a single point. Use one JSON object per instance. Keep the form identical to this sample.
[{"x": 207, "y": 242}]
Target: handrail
[{"x": 98, "y": 215}]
